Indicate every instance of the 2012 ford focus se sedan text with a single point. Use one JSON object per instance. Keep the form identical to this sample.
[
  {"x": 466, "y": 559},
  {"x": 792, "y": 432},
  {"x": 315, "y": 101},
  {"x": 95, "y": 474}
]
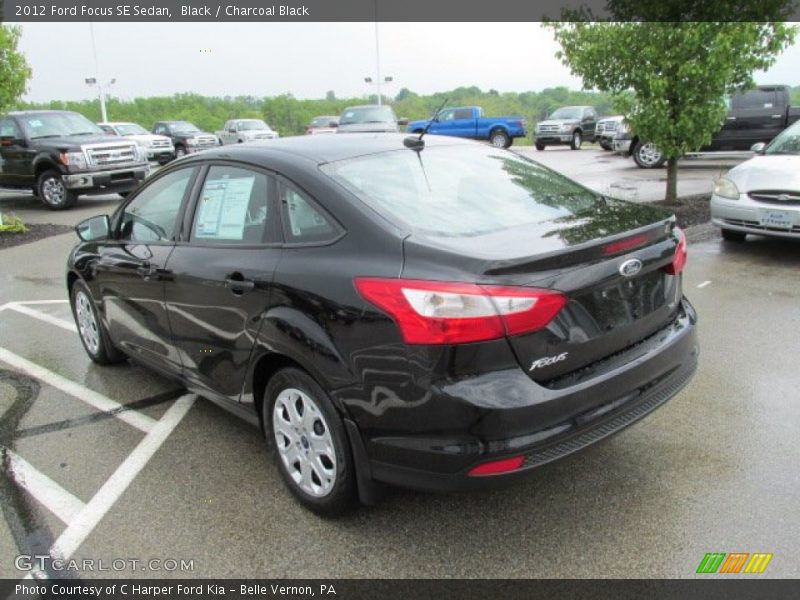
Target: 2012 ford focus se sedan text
[{"x": 438, "y": 314}]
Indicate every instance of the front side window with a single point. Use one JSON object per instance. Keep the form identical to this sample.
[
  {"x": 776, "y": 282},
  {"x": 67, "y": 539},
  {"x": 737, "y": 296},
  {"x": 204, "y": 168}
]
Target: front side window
[
  {"x": 461, "y": 191},
  {"x": 151, "y": 215},
  {"x": 8, "y": 129},
  {"x": 234, "y": 208}
]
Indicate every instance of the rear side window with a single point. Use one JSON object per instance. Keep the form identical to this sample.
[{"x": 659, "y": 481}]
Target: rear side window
[
  {"x": 234, "y": 208},
  {"x": 303, "y": 220},
  {"x": 461, "y": 190},
  {"x": 463, "y": 113}
]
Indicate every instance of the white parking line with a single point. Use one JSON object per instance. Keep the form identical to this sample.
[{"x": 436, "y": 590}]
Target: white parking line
[
  {"x": 81, "y": 392},
  {"x": 40, "y": 302},
  {"x": 79, "y": 529},
  {"x": 37, "y": 314},
  {"x": 55, "y": 498},
  {"x": 704, "y": 284}
]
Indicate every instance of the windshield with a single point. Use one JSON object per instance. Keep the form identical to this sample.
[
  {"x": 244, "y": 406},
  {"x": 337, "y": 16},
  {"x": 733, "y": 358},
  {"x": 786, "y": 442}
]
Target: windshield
[
  {"x": 787, "y": 141},
  {"x": 250, "y": 125},
  {"x": 368, "y": 114},
  {"x": 324, "y": 121},
  {"x": 567, "y": 112},
  {"x": 461, "y": 191},
  {"x": 131, "y": 129},
  {"x": 183, "y": 127},
  {"x": 42, "y": 125}
]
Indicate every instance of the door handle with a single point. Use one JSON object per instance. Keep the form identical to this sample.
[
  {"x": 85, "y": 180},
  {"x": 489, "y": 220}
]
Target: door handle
[
  {"x": 147, "y": 271},
  {"x": 731, "y": 118},
  {"x": 777, "y": 116},
  {"x": 238, "y": 285}
]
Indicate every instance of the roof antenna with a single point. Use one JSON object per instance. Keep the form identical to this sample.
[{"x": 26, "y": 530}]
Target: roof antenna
[{"x": 418, "y": 143}]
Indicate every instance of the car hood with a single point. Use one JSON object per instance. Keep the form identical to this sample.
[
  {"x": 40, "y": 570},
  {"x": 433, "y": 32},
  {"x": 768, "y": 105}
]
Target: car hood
[
  {"x": 368, "y": 128},
  {"x": 557, "y": 122},
  {"x": 769, "y": 172},
  {"x": 147, "y": 137},
  {"x": 69, "y": 142}
]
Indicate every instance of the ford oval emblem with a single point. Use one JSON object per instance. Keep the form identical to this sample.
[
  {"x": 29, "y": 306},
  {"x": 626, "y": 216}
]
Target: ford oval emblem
[{"x": 630, "y": 267}]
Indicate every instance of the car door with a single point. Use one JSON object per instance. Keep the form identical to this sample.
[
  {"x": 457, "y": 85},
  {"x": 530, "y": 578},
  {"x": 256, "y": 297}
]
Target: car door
[
  {"x": 463, "y": 124},
  {"x": 130, "y": 272},
  {"x": 759, "y": 118},
  {"x": 589, "y": 123},
  {"x": 221, "y": 275},
  {"x": 15, "y": 156},
  {"x": 444, "y": 124}
]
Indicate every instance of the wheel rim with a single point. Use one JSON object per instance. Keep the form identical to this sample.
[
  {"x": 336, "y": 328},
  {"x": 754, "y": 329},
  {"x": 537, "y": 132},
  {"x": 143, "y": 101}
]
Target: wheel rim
[
  {"x": 498, "y": 140},
  {"x": 87, "y": 324},
  {"x": 577, "y": 139},
  {"x": 304, "y": 442},
  {"x": 648, "y": 154},
  {"x": 53, "y": 191}
]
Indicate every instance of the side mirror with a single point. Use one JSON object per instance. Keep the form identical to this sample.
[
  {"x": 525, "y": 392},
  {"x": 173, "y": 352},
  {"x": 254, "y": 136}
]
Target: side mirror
[
  {"x": 402, "y": 121},
  {"x": 758, "y": 148},
  {"x": 94, "y": 228},
  {"x": 10, "y": 140}
]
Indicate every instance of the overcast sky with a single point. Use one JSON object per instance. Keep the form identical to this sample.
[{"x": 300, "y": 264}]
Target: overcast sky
[{"x": 306, "y": 59}]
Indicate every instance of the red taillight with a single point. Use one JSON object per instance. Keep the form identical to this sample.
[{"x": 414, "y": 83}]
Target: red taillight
[
  {"x": 679, "y": 260},
  {"x": 496, "y": 467},
  {"x": 438, "y": 312},
  {"x": 625, "y": 244}
]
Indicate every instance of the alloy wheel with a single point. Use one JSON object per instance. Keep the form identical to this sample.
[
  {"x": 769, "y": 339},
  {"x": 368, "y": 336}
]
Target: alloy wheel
[
  {"x": 53, "y": 191},
  {"x": 649, "y": 154}
]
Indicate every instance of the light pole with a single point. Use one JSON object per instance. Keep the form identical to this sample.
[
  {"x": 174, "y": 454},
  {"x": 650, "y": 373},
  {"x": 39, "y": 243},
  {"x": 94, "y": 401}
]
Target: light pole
[
  {"x": 96, "y": 80},
  {"x": 378, "y": 84},
  {"x": 102, "y": 93}
]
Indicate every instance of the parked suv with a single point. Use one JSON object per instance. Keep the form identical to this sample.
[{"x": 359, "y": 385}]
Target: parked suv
[
  {"x": 370, "y": 118},
  {"x": 757, "y": 115},
  {"x": 606, "y": 130},
  {"x": 238, "y": 131},
  {"x": 60, "y": 154},
  {"x": 157, "y": 147},
  {"x": 567, "y": 125},
  {"x": 186, "y": 137}
]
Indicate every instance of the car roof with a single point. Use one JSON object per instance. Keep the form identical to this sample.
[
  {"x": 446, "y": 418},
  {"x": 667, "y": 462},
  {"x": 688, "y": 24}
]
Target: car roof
[
  {"x": 19, "y": 113},
  {"x": 368, "y": 106},
  {"x": 324, "y": 149}
]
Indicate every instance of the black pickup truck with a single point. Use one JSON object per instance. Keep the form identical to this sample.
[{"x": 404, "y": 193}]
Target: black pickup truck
[
  {"x": 61, "y": 154},
  {"x": 757, "y": 115},
  {"x": 187, "y": 137}
]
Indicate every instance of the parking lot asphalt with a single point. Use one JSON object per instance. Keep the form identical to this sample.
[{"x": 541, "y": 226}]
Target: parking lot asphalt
[{"x": 714, "y": 470}]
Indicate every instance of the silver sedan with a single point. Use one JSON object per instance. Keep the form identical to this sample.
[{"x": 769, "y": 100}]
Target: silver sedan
[{"x": 762, "y": 195}]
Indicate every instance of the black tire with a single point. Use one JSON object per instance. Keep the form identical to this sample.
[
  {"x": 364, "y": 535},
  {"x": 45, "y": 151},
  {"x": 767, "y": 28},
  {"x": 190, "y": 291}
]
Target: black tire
[
  {"x": 647, "y": 156},
  {"x": 53, "y": 193},
  {"x": 180, "y": 151},
  {"x": 164, "y": 161},
  {"x": 124, "y": 194},
  {"x": 499, "y": 139},
  {"x": 540, "y": 147},
  {"x": 342, "y": 494},
  {"x": 733, "y": 236},
  {"x": 606, "y": 146},
  {"x": 99, "y": 348},
  {"x": 577, "y": 140}
]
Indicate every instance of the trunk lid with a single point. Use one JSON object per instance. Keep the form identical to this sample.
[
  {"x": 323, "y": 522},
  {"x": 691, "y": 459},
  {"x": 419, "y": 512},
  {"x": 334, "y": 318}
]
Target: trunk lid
[{"x": 609, "y": 262}]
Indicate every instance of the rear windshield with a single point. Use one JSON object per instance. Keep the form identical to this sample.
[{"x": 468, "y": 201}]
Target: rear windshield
[
  {"x": 461, "y": 190},
  {"x": 367, "y": 114}
]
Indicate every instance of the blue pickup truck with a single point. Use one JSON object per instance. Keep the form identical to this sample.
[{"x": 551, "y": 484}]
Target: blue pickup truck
[{"x": 470, "y": 122}]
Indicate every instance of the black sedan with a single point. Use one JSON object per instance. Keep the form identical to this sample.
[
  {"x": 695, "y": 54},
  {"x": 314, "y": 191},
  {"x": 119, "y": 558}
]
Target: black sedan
[{"x": 439, "y": 314}]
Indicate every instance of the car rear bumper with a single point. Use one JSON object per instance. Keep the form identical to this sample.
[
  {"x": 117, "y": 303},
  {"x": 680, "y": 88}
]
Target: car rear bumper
[
  {"x": 745, "y": 215},
  {"x": 559, "y": 418},
  {"x": 116, "y": 180}
]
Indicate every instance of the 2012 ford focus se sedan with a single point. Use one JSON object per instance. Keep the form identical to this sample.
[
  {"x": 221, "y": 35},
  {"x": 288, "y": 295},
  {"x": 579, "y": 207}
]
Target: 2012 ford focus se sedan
[{"x": 440, "y": 314}]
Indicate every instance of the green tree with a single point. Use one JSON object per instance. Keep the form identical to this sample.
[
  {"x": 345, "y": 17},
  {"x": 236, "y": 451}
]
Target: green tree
[
  {"x": 670, "y": 71},
  {"x": 14, "y": 69}
]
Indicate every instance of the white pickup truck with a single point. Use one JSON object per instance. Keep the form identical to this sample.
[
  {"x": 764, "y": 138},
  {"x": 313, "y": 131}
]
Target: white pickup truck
[{"x": 238, "y": 131}]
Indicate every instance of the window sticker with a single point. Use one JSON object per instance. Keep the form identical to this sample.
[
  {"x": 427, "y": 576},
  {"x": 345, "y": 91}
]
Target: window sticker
[
  {"x": 34, "y": 123},
  {"x": 223, "y": 208}
]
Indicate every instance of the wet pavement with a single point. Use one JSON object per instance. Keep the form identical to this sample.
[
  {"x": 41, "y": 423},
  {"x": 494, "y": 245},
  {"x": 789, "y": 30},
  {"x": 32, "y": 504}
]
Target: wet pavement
[{"x": 125, "y": 466}]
